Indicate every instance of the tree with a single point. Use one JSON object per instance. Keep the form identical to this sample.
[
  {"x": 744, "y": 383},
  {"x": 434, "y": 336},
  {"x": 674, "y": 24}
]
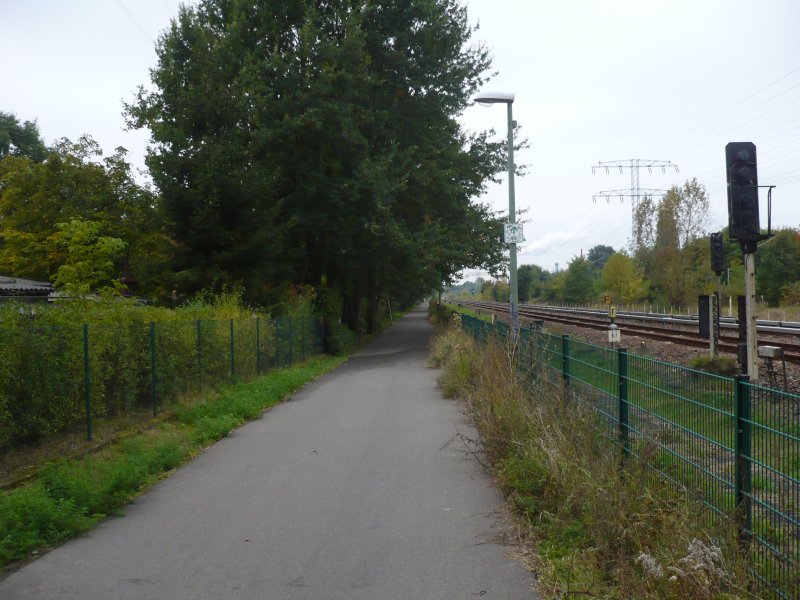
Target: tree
[
  {"x": 554, "y": 289},
  {"x": 643, "y": 234},
  {"x": 75, "y": 182},
  {"x": 619, "y": 276},
  {"x": 89, "y": 262},
  {"x": 524, "y": 281},
  {"x": 578, "y": 283},
  {"x": 20, "y": 139},
  {"x": 597, "y": 257},
  {"x": 778, "y": 265},
  {"x": 680, "y": 220},
  {"x": 691, "y": 211},
  {"x": 296, "y": 140},
  {"x": 531, "y": 280},
  {"x": 791, "y": 293}
]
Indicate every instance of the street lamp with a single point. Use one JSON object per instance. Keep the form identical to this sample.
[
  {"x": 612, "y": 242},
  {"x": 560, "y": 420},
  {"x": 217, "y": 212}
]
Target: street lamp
[{"x": 486, "y": 99}]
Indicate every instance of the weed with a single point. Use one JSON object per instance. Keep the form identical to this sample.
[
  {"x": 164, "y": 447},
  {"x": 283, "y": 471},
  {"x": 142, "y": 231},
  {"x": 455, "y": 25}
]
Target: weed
[
  {"x": 720, "y": 365},
  {"x": 70, "y": 496},
  {"x": 210, "y": 429},
  {"x": 599, "y": 529}
]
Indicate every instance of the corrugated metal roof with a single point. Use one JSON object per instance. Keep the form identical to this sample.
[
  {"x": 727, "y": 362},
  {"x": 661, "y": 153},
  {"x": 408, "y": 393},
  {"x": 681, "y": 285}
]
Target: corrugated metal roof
[{"x": 16, "y": 285}]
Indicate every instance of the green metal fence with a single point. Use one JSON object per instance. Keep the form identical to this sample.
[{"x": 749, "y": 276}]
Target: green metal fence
[
  {"x": 733, "y": 444},
  {"x": 51, "y": 377}
]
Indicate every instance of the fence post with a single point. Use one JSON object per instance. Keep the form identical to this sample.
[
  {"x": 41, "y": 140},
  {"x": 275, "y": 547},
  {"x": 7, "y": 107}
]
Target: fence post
[
  {"x": 531, "y": 348},
  {"x": 233, "y": 355},
  {"x": 258, "y": 348},
  {"x": 743, "y": 485},
  {"x": 199, "y": 354},
  {"x": 565, "y": 358},
  {"x": 291, "y": 341},
  {"x": 153, "y": 366},
  {"x": 87, "y": 381},
  {"x": 276, "y": 323},
  {"x": 303, "y": 331},
  {"x": 622, "y": 378}
]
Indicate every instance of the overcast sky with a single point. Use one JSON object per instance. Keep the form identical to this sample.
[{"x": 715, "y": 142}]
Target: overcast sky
[{"x": 609, "y": 80}]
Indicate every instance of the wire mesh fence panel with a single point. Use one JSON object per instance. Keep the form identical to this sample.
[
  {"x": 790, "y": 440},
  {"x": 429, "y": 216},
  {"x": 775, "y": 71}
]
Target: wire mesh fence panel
[
  {"x": 686, "y": 421},
  {"x": 594, "y": 369},
  {"x": 174, "y": 360},
  {"x": 773, "y": 496},
  {"x": 41, "y": 382},
  {"x": 213, "y": 352},
  {"x": 731, "y": 444},
  {"x": 265, "y": 344},
  {"x": 53, "y": 377},
  {"x": 119, "y": 364},
  {"x": 244, "y": 347},
  {"x": 549, "y": 356}
]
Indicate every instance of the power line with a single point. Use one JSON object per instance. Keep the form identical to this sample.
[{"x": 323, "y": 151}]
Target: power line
[
  {"x": 731, "y": 107},
  {"x": 133, "y": 20},
  {"x": 635, "y": 192}
]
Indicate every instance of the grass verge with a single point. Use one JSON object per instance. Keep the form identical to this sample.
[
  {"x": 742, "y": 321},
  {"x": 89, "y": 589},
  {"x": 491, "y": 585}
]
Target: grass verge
[
  {"x": 69, "y": 497},
  {"x": 589, "y": 525}
]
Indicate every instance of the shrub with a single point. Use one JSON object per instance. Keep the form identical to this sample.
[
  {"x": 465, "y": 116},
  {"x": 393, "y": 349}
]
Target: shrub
[
  {"x": 341, "y": 339},
  {"x": 720, "y": 365},
  {"x": 42, "y": 357}
]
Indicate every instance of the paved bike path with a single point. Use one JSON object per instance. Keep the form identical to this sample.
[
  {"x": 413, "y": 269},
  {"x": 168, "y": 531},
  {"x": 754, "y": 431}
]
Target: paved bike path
[{"x": 350, "y": 491}]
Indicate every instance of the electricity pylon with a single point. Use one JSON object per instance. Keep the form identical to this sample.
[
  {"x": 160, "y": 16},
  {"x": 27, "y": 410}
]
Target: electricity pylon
[{"x": 635, "y": 192}]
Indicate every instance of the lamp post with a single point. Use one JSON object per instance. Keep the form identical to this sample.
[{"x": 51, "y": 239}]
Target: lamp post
[{"x": 485, "y": 99}]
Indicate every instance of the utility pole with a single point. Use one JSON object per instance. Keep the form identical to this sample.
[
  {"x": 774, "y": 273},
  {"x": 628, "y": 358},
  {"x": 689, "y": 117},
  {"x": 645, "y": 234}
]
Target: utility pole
[{"x": 635, "y": 192}]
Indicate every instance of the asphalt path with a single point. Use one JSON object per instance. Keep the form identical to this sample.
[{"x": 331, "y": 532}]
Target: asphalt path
[{"x": 355, "y": 489}]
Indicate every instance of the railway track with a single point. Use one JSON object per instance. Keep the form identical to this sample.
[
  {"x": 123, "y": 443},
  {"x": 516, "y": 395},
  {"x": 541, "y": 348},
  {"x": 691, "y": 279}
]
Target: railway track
[{"x": 683, "y": 330}]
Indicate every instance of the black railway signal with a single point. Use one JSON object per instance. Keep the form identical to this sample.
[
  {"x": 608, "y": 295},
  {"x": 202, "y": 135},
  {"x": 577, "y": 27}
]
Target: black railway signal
[
  {"x": 743, "y": 222},
  {"x": 717, "y": 253}
]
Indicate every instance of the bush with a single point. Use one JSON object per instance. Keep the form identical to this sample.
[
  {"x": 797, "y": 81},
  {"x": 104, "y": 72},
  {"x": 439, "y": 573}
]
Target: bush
[
  {"x": 341, "y": 339},
  {"x": 719, "y": 365},
  {"x": 439, "y": 314},
  {"x": 42, "y": 357}
]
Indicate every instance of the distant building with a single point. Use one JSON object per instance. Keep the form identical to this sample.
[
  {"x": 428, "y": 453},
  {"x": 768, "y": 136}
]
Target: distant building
[{"x": 24, "y": 288}]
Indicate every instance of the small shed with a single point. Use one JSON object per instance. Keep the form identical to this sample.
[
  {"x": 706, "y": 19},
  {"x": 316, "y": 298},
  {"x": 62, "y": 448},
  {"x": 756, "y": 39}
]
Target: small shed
[{"x": 24, "y": 288}]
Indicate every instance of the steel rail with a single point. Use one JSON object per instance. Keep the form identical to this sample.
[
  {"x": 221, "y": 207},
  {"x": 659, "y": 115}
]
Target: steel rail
[{"x": 667, "y": 328}]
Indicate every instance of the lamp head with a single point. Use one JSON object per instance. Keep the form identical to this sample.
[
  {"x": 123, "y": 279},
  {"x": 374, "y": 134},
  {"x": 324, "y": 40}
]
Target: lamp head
[{"x": 489, "y": 98}]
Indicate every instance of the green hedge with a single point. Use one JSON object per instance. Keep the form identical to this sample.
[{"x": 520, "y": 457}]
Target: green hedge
[{"x": 43, "y": 365}]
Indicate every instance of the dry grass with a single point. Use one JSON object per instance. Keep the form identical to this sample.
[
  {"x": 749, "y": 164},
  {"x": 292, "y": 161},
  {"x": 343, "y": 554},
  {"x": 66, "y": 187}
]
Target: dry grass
[{"x": 590, "y": 526}]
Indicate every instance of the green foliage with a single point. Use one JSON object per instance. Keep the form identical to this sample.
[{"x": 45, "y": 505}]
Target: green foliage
[
  {"x": 69, "y": 497},
  {"x": 42, "y": 361},
  {"x": 453, "y": 352},
  {"x": 210, "y": 429},
  {"x": 306, "y": 140},
  {"x": 790, "y": 293},
  {"x": 593, "y": 523},
  {"x": 341, "y": 339},
  {"x": 721, "y": 365},
  {"x": 778, "y": 265},
  {"x": 598, "y": 256},
  {"x": 668, "y": 244},
  {"x": 20, "y": 139},
  {"x": 75, "y": 183},
  {"x": 89, "y": 262},
  {"x": 532, "y": 280},
  {"x": 619, "y": 276},
  {"x": 30, "y": 519},
  {"x": 578, "y": 282}
]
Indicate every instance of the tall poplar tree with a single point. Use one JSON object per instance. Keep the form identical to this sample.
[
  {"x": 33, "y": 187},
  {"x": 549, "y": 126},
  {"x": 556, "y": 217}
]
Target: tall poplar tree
[{"x": 309, "y": 141}]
